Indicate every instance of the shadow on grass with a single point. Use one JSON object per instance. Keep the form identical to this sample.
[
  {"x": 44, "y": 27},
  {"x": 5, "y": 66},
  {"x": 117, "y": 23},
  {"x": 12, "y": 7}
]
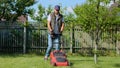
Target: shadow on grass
[
  {"x": 72, "y": 62},
  {"x": 117, "y": 65},
  {"x": 82, "y": 60},
  {"x": 9, "y": 55},
  {"x": 14, "y": 55},
  {"x": 78, "y": 60}
]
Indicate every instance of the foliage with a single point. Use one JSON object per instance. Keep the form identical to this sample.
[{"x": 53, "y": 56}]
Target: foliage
[
  {"x": 91, "y": 18},
  {"x": 11, "y": 9},
  {"x": 96, "y": 17},
  {"x": 40, "y": 16}
]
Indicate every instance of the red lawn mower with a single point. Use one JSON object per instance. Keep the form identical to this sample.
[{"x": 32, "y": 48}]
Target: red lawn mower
[{"x": 58, "y": 58}]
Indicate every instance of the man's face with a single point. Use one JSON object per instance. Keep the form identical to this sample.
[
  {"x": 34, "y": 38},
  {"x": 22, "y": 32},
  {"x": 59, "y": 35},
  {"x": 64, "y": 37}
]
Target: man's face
[{"x": 56, "y": 11}]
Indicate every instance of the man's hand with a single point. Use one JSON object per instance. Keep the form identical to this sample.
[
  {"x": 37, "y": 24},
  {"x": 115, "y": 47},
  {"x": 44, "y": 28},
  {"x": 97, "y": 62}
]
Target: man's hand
[{"x": 52, "y": 34}]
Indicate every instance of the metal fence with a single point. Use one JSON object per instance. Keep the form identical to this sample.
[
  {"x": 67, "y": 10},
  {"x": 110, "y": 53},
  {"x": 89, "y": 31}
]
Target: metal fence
[
  {"x": 22, "y": 39},
  {"x": 11, "y": 39}
]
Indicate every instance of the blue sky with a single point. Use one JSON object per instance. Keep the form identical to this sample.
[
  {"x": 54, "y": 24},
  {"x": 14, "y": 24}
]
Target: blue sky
[
  {"x": 65, "y": 3},
  {"x": 69, "y": 4}
]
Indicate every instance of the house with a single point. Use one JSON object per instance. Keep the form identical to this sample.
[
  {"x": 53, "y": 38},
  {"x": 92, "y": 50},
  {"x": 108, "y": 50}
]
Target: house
[{"x": 22, "y": 18}]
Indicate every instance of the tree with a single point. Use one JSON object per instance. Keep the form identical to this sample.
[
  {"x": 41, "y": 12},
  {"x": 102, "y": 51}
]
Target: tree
[
  {"x": 41, "y": 15},
  {"x": 11, "y": 9},
  {"x": 70, "y": 22},
  {"x": 38, "y": 16},
  {"x": 115, "y": 11},
  {"x": 48, "y": 11},
  {"x": 94, "y": 17}
]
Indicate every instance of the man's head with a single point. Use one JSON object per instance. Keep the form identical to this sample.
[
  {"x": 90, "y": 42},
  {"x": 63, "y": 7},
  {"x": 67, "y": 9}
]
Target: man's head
[{"x": 57, "y": 9}]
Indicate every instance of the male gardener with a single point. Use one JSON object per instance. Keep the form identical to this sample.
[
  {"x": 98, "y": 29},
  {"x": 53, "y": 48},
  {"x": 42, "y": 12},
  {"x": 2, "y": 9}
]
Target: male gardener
[{"x": 55, "y": 27}]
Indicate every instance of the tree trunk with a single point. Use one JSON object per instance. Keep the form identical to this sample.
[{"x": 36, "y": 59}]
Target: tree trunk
[
  {"x": 117, "y": 50},
  {"x": 95, "y": 56},
  {"x": 113, "y": 1},
  {"x": 96, "y": 45},
  {"x": 97, "y": 32},
  {"x": 24, "y": 38}
]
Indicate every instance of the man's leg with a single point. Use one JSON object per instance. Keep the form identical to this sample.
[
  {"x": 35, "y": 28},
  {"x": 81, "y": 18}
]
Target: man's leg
[
  {"x": 49, "y": 46},
  {"x": 57, "y": 42}
]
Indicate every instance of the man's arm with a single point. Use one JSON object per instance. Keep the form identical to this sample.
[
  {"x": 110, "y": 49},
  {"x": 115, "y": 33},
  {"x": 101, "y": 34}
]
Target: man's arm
[
  {"x": 49, "y": 23},
  {"x": 49, "y": 26},
  {"x": 62, "y": 27}
]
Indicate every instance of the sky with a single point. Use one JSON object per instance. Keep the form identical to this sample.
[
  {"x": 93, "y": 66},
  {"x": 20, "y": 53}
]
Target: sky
[
  {"x": 69, "y": 4},
  {"x": 65, "y": 3}
]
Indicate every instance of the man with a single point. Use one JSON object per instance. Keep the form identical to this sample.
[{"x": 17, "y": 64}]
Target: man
[{"x": 55, "y": 28}]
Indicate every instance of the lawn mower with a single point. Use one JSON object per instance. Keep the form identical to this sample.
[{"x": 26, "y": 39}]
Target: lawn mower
[{"x": 59, "y": 58}]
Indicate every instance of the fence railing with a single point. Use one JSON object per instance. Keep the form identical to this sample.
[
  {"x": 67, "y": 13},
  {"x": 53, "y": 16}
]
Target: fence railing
[{"x": 12, "y": 40}]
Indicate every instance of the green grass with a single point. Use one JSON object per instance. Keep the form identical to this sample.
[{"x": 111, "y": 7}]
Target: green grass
[{"x": 36, "y": 61}]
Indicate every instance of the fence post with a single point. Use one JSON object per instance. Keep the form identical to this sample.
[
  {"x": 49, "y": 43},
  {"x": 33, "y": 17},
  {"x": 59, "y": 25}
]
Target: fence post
[
  {"x": 24, "y": 38},
  {"x": 72, "y": 40},
  {"x": 116, "y": 41}
]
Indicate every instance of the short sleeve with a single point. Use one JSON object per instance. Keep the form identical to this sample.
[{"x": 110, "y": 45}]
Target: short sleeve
[
  {"x": 49, "y": 18},
  {"x": 62, "y": 19}
]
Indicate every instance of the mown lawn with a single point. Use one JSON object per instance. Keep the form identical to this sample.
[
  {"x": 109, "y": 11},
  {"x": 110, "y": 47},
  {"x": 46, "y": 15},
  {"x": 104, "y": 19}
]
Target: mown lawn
[{"x": 36, "y": 61}]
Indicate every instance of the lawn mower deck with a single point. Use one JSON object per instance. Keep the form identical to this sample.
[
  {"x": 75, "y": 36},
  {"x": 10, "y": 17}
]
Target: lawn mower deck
[{"x": 58, "y": 58}]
